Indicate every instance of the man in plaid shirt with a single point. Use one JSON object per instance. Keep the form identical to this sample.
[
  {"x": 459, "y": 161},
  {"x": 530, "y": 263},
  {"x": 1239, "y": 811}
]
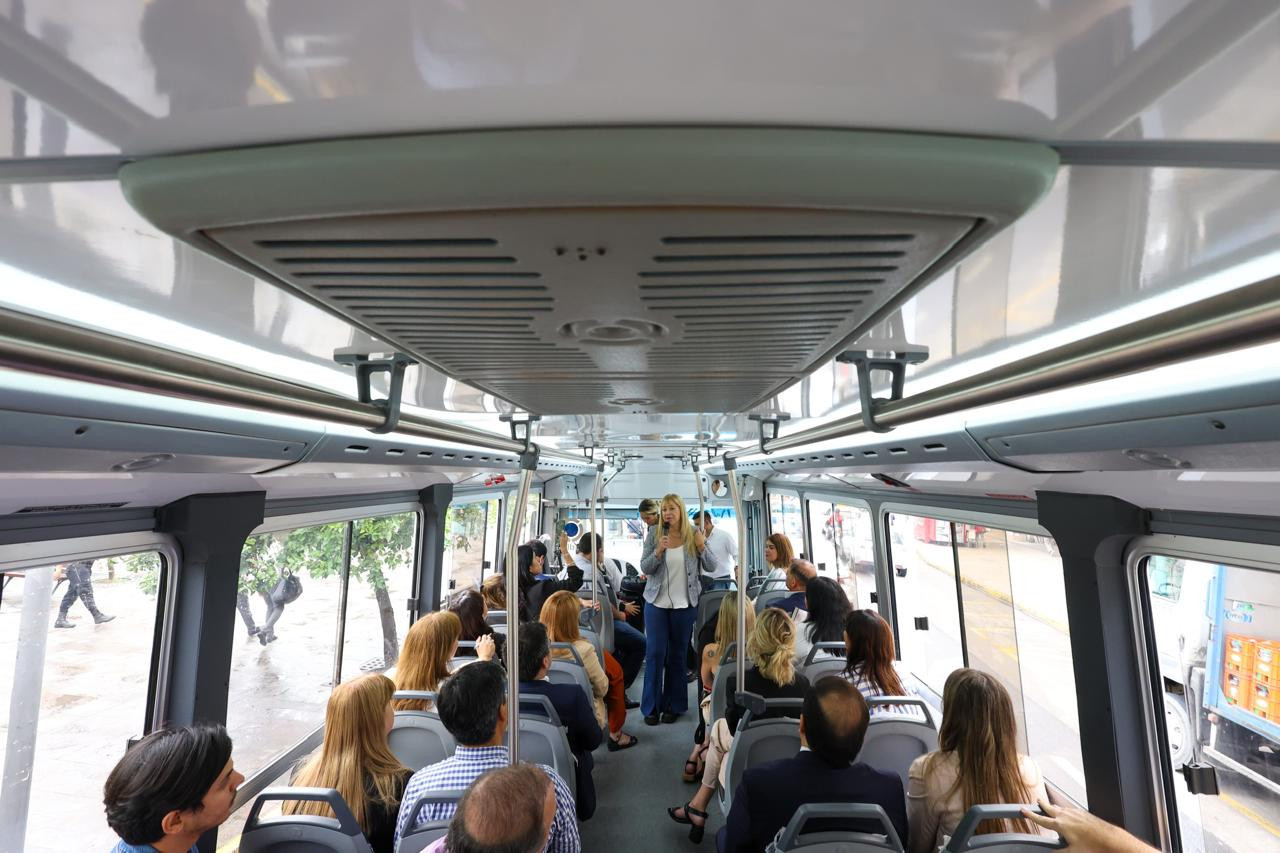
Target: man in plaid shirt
[{"x": 472, "y": 705}]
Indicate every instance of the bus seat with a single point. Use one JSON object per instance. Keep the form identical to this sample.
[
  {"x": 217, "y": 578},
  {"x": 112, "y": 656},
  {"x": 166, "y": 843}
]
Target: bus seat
[
  {"x": 543, "y": 742},
  {"x": 770, "y": 597},
  {"x": 571, "y": 671},
  {"x": 708, "y": 609},
  {"x": 599, "y": 624},
  {"x": 894, "y": 740},
  {"x": 720, "y": 682},
  {"x": 793, "y": 837},
  {"x": 289, "y": 833},
  {"x": 419, "y": 738},
  {"x": 964, "y": 839},
  {"x": 815, "y": 667},
  {"x": 495, "y": 617},
  {"x": 420, "y": 839},
  {"x": 758, "y": 741},
  {"x": 536, "y": 703}
]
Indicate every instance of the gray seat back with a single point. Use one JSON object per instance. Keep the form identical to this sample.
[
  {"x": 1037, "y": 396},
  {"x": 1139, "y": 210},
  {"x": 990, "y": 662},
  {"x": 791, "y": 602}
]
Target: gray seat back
[
  {"x": 708, "y": 608},
  {"x": 542, "y": 742},
  {"x": 758, "y": 741},
  {"x": 417, "y": 840},
  {"x": 571, "y": 671},
  {"x": 770, "y": 597},
  {"x": 598, "y": 626},
  {"x": 894, "y": 739},
  {"x": 720, "y": 682},
  {"x": 964, "y": 839},
  {"x": 817, "y": 666},
  {"x": 303, "y": 833},
  {"x": 419, "y": 738},
  {"x": 793, "y": 836},
  {"x": 495, "y": 617},
  {"x": 538, "y": 704}
]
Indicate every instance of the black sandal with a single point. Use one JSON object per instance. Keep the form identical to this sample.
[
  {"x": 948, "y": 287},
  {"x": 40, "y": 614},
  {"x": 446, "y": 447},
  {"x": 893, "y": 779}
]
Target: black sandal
[
  {"x": 695, "y": 830},
  {"x": 690, "y": 773},
  {"x": 618, "y": 745}
]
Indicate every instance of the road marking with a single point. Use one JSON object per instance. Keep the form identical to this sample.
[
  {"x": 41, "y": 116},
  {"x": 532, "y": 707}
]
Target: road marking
[{"x": 1250, "y": 814}]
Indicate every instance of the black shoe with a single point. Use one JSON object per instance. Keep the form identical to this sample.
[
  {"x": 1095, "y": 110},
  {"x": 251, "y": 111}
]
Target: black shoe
[
  {"x": 651, "y": 720},
  {"x": 668, "y": 717},
  {"x": 99, "y": 618},
  {"x": 631, "y": 704},
  {"x": 64, "y": 622}
]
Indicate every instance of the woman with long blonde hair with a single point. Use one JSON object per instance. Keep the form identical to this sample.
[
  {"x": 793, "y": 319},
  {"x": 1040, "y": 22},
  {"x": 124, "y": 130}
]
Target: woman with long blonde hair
[
  {"x": 726, "y": 634},
  {"x": 977, "y": 763},
  {"x": 560, "y": 615},
  {"x": 772, "y": 675},
  {"x": 672, "y": 564},
  {"x": 432, "y": 642},
  {"x": 355, "y": 760}
]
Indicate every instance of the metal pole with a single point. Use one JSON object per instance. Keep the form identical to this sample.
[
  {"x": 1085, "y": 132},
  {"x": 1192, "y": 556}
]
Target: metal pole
[
  {"x": 597, "y": 563},
  {"x": 37, "y": 345},
  {"x": 702, "y": 505},
  {"x": 342, "y": 602},
  {"x": 1238, "y": 318},
  {"x": 24, "y": 707},
  {"x": 740, "y": 666},
  {"x": 513, "y": 606}
]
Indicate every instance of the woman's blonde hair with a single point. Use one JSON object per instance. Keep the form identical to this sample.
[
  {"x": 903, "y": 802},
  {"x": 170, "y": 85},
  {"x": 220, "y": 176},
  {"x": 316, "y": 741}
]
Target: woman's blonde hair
[
  {"x": 424, "y": 663},
  {"x": 727, "y": 622},
  {"x": 354, "y": 757},
  {"x": 980, "y": 729},
  {"x": 682, "y": 517},
  {"x": 560, "y": 615},
  {"x": 771, "y": 645},
  {"x": 494, "y": 590}
]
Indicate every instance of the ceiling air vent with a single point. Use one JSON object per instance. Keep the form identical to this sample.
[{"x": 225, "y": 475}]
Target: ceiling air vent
[{"x": 705, "y": 269}]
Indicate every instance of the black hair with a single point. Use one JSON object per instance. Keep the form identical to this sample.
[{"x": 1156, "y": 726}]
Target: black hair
[
  {"x": 835, "y": 720},
  {"x": 589, "y": 543},
  {"x": 539, "y": 548},
  {"x": 828, "y": 606},
  {"x": 469, "y": 701},
  {"x": 706, "y": 513},
  {"x": 524, "y": 555},
  {"x": 534, "y": 646},
  {"x": 507, "y": 804},
  {"x": 168, "y": 770}
]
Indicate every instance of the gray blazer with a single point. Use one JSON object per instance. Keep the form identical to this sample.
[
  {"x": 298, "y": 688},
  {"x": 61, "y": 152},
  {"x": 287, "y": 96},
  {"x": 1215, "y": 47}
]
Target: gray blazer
[{"x": 655, "y": 569}]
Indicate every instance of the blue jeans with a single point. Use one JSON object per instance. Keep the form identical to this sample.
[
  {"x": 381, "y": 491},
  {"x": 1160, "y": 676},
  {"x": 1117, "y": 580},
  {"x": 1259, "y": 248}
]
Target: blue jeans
[
  {"x": 709, "y": 584},
  {"x": 629, "y": 649},
  {"x": 667, "y": 635}
]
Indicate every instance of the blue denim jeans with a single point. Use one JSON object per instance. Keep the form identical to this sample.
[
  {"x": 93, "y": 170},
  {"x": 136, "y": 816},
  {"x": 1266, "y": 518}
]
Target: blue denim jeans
[{"x": 667, "y": 634}]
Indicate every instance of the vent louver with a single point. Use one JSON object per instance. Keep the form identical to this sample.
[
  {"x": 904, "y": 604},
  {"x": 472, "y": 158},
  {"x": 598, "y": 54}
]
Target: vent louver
[{"x": 703, "y": 269}]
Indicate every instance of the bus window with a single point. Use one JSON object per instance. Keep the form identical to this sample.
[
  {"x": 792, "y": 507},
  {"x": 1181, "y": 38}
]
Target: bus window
[
  {"x": 843, "y": 549},
  {"x": 381, "y": 578},
  {"x": 784, "y": 517},
  {"x": 533, "y": 506},
  {"x": 469, "y": 527},
  {"x": 1218, "y": 646},
  {"x": 929, "y": 638},
  {"x": 77, "y": 694},
  {"x": 283, "y": 658}
]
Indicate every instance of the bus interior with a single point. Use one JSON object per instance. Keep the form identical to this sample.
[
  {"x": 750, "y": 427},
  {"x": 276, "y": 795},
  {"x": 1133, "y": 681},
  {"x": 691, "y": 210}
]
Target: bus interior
[{"x": 977, "y": 304}]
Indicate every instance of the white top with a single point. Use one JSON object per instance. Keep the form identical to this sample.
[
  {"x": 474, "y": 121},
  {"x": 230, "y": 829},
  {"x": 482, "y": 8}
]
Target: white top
[
  {"x": 676, "y": 588},
  {"x": 612, "y": 571},
  {"x": 725, "y": 548}
]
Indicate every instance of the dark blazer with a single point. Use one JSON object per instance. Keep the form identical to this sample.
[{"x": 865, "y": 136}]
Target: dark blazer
[
  {"x": 761, "y": 686},
  {"x": 791, "y": 602},
  {"x": 585, "y": 734},
  {"x": 771, "y": 792},
  {"x": 539, "y": 591}
]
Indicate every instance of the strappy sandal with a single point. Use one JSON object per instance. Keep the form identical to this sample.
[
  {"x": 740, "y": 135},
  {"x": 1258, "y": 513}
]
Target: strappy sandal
[
  {"x": 619, "y": 745},
  {"x": 695, "y": 829},
  {"x": 690, "y": 773}
]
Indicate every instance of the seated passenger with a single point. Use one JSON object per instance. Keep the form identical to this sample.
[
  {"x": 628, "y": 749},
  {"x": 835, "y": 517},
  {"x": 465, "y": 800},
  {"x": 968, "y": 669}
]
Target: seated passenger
[
  {"x": 560, "y": 616},
  {"x": 508, "y": 810},
  {"x": 977, "y": 764},
  {"x": 571, "y": 705},
  {"x": 170, "y": 788},
  {"x": 833, "y": 726},
  {"x": 355, "y": 760},
  {"x": 628, "y": 642},
  {"x": 826, "y": 607},
  {"x": 778, "y": 555},
  {"x": 429, "y": 645},
  {"x": 469, "y": 607},
  {"x": 870, "y": 660},
  {"x": 536, "y": 588},
  {"x": 798, "y": 576},
  {"x": 494, "y": 590},
  {"x": 725, "y": 632},
  {"x": 773, "y": 675},
  {"x": 473, "y": 707}
]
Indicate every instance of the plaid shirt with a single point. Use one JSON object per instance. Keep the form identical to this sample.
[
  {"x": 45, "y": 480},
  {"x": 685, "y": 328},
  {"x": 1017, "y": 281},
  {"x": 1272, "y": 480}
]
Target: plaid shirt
[{"x": 466, "y": 765}]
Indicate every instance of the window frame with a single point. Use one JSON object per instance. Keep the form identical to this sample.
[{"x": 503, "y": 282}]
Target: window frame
[{"x": 1244, "y": 555}]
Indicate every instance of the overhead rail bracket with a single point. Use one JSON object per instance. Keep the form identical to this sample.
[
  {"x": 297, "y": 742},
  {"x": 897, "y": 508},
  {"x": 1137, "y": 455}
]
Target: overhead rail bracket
[
  {"x": 521, "y": 427},
  {"x": 366, "y": 367},
  {"x": 769, "y": 426},
  {"x": 894, "y": 363}
]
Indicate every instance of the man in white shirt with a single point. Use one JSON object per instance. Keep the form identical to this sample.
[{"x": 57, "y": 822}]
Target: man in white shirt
[{"x": 725, "y": 548}]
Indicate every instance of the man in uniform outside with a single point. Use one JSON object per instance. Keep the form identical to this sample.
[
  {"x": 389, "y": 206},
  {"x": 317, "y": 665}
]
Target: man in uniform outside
[{"x": 80, "y": 585}]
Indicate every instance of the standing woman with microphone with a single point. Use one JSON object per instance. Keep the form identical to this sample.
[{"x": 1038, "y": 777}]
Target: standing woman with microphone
[{"x": 670, "y": 609}]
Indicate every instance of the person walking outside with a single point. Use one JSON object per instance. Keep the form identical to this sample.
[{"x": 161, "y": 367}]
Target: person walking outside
[{"x": 80, "y": 586}]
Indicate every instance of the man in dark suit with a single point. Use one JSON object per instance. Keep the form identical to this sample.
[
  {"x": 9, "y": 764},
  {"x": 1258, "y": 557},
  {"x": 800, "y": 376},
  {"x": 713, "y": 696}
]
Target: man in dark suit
[
  {"x": 798, "y": 576},
  {"x": 570, "y": 702},
  {"x": 833, "y": 725}
]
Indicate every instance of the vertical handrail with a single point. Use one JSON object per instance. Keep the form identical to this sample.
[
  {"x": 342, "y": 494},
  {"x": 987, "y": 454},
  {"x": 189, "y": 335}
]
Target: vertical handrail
[
  {"x": 702, "y": 504},
  {"x": 340, "y": 638},
  {"x": 597, "y": 539},
  {"x": 740, "y": 666},
  {"x": 513, "y": 609}
]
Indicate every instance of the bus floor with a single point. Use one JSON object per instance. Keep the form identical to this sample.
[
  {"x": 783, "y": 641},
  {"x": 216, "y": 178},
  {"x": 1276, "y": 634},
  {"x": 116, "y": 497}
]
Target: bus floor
[{"x": 635, "y": 787}]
